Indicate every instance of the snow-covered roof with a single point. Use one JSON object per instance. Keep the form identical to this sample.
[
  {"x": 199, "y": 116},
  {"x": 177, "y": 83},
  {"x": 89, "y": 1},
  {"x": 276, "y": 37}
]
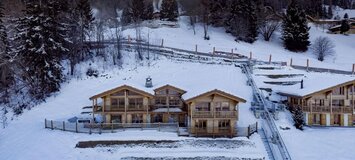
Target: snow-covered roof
[
  {"x": 314, "y": 84},
  {"x": 195, "y": 79}
]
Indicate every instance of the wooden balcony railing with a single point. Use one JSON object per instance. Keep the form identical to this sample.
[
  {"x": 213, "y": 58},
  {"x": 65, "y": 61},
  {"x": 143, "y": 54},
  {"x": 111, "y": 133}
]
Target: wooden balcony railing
[
  {"x": 120, "y": 108},
  {"x": 216, "y": 114},
  {"x": 334, "y": 109}
]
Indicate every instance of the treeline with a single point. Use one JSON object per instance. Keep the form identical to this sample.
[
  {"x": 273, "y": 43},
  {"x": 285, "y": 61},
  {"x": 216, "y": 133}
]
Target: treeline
[{"x": 33, "y": 45}]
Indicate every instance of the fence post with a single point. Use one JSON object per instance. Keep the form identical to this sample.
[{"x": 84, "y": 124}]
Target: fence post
[
  {"x": 63, "y": 126},
  {"x": 291, "y": 62},
  {"x": 177, "y": 129},
  {"x": 270, "y": 58},
  {"x": 90, "y": 128},
  {"x": 52, "y": 124},
  {"x": 353, "y": 68},
  {"x": 158, "y": 126},
  {"x": 196, "y": 48},
  {"x": 214, "y": 50},
  {"x": 76, "y": 127},
  {"x": 45, "y": 123},
  {"x": 307, "y": 64},
  {"x": 100, "y": 128},
  {"x": 248, "y": 131},
  {"x": 232, "y": 51},
  {"x": 111, "y": 127},
  {"x": 251, "y": 55},
  {"x": 129, "y": 39},
  {"x": 162, "y": 42},
  {"x": 256, "y": 127}
]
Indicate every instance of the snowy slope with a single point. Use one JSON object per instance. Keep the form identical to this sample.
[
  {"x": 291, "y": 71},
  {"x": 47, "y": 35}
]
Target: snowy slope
[
  {"x": 26, "y": 137},
  {"x": 184, "y": 38}
]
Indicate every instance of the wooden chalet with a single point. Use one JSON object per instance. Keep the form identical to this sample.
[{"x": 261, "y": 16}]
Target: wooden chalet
[
  {"x": 332, "y": 106},
  {"x": 213, "y": 113}
]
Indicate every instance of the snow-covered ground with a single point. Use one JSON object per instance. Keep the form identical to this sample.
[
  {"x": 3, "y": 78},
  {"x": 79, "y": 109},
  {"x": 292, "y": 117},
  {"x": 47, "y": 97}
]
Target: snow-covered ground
[
  {"x": 184, "y": 38},
  {"x": 26, "y": 138},
  {"x": 312, "y": 143}
]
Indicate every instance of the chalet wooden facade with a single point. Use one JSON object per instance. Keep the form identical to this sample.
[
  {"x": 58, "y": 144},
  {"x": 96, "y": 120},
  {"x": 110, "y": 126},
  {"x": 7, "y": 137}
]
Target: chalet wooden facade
[
  {"x": 333, "y": 106},
  {"x": 213, "y": 113}
]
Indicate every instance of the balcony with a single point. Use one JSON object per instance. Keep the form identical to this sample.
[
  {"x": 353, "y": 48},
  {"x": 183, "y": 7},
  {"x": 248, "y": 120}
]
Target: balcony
[
  {"x": 342, "y": 109},
  {"x": 216, "y": 114},
  {"x": 328, "y": 109},
  {"x": 111, "y": 108}
]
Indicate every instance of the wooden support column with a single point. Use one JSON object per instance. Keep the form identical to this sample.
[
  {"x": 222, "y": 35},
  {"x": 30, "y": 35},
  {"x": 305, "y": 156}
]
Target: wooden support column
[
  {"x": 125, "y": 105},
  {"x": 331, "y": 102}
]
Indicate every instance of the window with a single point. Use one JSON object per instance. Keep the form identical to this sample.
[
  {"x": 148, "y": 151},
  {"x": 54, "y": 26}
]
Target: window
[
  {"x": 225, "y": 106},
  {"x": 174, "y": 101},
  {"x": 138, "y": 102},
  {"x": 338, "y": 91},
  {"x": 224, "y": 124},
  {"x": 137, "y": 118},
  {"x": 172, "y": 92},
  {"x": 202, "y": 124},
  {"x": 338, "y": 102},
  {"x": 158, "y": 118},
  {"x": 203, "y": 106},
  {"x": 116, "y": 118},
  {"x": 114, "y": 102},
  {"x": 316, "y": 119},
  {"x": 160, "y": 100},
  {"x": 319, "y": 102}
]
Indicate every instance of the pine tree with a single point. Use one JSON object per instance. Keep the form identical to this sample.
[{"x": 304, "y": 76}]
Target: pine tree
[
  {"x": 5, "y": 55},
  {"x": 132, "y": 13},
  {"x": 148, "y": 11},
  {"x": 137, "y": 6},
  {"x": 295, "y": 30},
  {"x": 242, "y": 20},
  {"x": 81, "y": 18},
  {"x": 344, "y": 27},
  {"x": 297, "y": 115},
  {"x": 41, "y": 36},
  {"x": 330, "y": 11},
  {"x": 169, "y": 10},
  {"x": 346, "y": 16}
]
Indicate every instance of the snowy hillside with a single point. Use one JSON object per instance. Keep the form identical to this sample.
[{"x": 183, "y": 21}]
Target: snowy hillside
[
  {"x": 184, "y": 38},
  {"x": 27, "y": 133}
]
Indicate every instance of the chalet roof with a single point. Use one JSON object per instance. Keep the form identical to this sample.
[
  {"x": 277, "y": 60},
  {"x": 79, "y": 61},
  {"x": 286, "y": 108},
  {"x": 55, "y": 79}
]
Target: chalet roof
[
  {"x": 315, "y": 85},
  {"x": 217, "y": 92},
  {"x": 170, "y": 86},
  {"x": 195, "y": 79},
  {"x": 123, "y": 87}
]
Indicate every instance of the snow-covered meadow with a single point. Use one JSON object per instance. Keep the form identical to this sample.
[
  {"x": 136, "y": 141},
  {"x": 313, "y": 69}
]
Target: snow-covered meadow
[{"x": 26, "y": 133}]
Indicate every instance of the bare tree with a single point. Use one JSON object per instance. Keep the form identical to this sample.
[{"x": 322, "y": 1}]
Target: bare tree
[
  {"x": 268, "y": 28},
  {"x": 323, "y": 47}
]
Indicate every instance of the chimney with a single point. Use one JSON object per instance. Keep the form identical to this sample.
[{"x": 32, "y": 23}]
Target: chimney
[
  {"x": 148, "y": 82},
  {"x": 302, "y": 84}
]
